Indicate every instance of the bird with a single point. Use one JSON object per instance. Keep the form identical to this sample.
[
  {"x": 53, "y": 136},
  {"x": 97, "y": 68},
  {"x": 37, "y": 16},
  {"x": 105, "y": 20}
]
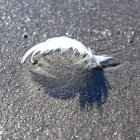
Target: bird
[{"x": 64, "y": 44}]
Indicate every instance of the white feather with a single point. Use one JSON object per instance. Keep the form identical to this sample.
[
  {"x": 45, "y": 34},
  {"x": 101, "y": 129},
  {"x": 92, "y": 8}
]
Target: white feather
[{"x": 64, "y": 44}]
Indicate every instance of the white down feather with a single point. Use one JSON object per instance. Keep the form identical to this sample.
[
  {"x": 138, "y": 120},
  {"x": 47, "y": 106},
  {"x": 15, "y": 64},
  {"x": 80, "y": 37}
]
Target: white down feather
[{"x": 64, "y": 44}]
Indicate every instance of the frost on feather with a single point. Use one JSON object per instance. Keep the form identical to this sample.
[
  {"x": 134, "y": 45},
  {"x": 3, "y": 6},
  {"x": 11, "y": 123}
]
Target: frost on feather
[{"x": 63, "y": 45}]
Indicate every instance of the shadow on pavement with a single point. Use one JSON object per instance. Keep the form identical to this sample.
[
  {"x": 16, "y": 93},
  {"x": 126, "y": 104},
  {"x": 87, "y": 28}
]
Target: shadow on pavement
[
  {"x": 95, "y": 90},
  {"x": 92, "y": 86}
]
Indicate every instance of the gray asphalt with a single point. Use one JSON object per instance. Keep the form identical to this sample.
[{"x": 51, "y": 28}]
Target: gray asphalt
[{"x": 70, "y": 102}]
